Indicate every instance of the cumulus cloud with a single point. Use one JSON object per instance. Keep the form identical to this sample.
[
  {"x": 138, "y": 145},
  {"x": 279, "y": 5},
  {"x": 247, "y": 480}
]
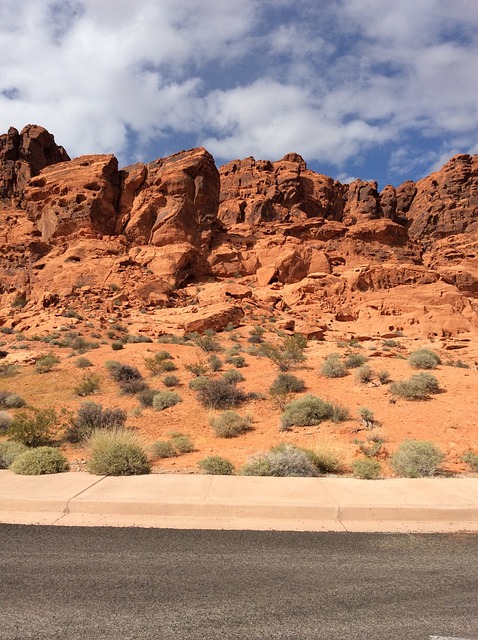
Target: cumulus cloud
[{"x": 335, "y": 81}]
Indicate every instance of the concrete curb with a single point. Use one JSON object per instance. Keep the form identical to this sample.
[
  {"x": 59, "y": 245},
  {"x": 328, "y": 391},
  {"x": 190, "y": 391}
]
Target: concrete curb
[{"x": 225, "y": 502}]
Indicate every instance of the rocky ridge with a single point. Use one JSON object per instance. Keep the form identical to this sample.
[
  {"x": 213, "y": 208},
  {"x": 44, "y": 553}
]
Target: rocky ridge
[{"x": 177, "y": 243}]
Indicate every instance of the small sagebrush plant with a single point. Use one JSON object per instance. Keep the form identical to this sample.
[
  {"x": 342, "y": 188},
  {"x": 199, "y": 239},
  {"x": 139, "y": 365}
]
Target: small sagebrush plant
[
  {"x": 40, "y": 461},
  {"x": 10, "y": 450},
  {"x": 91, "y": 416},
  {"x": 364, "y": 374},
  {"x": 308, "y": 411},
  {"x": 165, "y": 399},
  {"x": 333, "y": 367},
  {"x": 170, "y": 381},
  {"x": 83, "y": 363},
  {"x": 159, "y": 363},
  {"x": 471, "y": 459},
  {"x": 230, "y": 424},
  {"x": 286, "y": 383},
  {"x": 11, "y": 400},
  {"x": 219, "y": 394},
  {"x": 118, "y": 452},
  {"x": 46, "y": 363},
  {"x": 232, "y": 376},
  {"x": 366, "y": 468},
  {"x": 288, "y": 353},
  {"x": 89, "y": 384},
  {"x": 281, "y": 461},
  {"x": 417, "y": 459},
  {"x": 163, "y": 449},
  {"x": 181, "y": 442},
  {"x": 354, "y": 360},
  {"x": 417, "y": 387},
  {"x": 216, "y": 466},
  {"x": 326, "y": 459},
  {"x": 424, "y": 359},
  {"x": 33, "y": 428},
  {"x": 6, "y": 420}
]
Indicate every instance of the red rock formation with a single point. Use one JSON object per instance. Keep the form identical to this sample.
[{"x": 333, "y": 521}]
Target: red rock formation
[{"x": 23, "y": 155}]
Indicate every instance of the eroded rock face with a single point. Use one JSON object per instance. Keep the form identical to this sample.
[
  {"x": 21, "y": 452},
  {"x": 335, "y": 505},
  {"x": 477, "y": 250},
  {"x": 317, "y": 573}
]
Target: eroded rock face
[
  {"x": 23, "y": 155},
  {"x": 170, "y": 200},
  {"x": 80, "y": 195}
]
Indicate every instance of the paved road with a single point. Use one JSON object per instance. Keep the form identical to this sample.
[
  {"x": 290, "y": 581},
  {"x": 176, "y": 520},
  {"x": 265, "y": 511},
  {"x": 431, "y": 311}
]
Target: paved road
[{"x": 107, "y": 583}]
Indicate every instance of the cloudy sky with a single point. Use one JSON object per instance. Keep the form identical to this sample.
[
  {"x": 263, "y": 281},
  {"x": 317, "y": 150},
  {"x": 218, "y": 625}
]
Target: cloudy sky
[{"x": 377, "y": 89}]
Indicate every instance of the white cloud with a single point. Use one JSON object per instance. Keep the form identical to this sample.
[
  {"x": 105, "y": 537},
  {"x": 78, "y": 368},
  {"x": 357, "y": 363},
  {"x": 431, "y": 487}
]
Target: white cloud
[{"x": 328, "y": 80}]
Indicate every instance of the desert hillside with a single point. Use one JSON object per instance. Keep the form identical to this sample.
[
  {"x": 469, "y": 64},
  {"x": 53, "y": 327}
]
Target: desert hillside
[{"x": 260, "y": 267}]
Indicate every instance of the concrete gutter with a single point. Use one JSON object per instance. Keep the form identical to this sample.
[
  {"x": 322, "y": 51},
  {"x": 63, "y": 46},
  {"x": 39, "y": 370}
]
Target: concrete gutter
[{"x": 241, "y": 502}]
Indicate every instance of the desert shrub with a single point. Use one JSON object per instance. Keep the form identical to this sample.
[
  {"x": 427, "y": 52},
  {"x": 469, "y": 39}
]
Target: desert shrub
[
  {"x": 366, "y": 468},
  {"x": 237, "y": 361},
  {"x": 367, "y": 417},
  {"x": 364, "y": 374},
  {"x": 424, "y": 359},
  {"x": 388, "y": 342},
  {"x": 137, "y": 339},
  {"x": 6, "y": 420},
  {"x": 288, "y": 353},
  {"x": 132, "y": 387},
  {"x": 33, "y": 428},
  {"x": 372, "y": 444},
  {"x": 39, "y": 461},
  {"x": 207, "y": 341},
  {"x": 216, "y": 466},
  {"x": 8, "y": 370},
  {"x": 159, "y": 363},
  {"x": 146, "y": 396},
  {"x": 219, "y": 394},
  {"x": 118, "y": 452},
  {"x": 80, "y": 345},
  {"x": 165, "y": 399},
  {"x": 232, "y": 376},
  {"x": 417, "y": 387},
  {"x": 286, "y": 383},
  {"x": 215, "y": 363},
  {"x": 383, "y": 376},
  {"x": 230, "y": 424},
  {"x": 9, "y": 451},
  {"x": 168, "y": 338},
  {"x": 196, "y": 383},
  {"x": 170, "y": 381},
  {"x": 163, "y": 449},
  {"x": 46, "y": 363},
  {"x": 255, "y": 335},
  {"x": 333, "y": 367},
  {"x": 117, "y": 345},
  {"x": 282, "y": 461},
  {"x": 471, "y": 459},
  {"x": 83, "y": 363},
  {"x": 354, "y": 360},
  {"x": 307, "y": 411},
  {"x": 416, "y": 459},
  {"x": 90, "y": 383},
  {"x": 339, "y": 413},
  {"x": 13, "y": 401},
  {"x": 181, "y": 442},
  {"x": 122, "y": 372},
  {"x": 326, "y": 459},
  {"x": 90, "y": 417},
  {"x": 198, "y": 369}
]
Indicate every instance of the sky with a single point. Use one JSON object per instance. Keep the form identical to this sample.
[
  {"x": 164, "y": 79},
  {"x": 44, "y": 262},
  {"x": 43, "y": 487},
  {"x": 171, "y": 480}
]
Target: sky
[{"x": 383, "y": 90}]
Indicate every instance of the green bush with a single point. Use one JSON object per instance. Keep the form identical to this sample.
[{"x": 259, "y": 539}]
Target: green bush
[
  {"x": 83, "y": 363},
  {"x": 39, "y": 461},
  {"x": 424, "y": 359},
  {"x": 416, "y": 459},
  {"x": 232, "y": 376},
  {"x": 216, "y": 466},
  {"x": 471, "y": 459},
  {"x": 383, "y": 376},
  {"x": 157, "y": 364},
  {"x": 198, "y": 369},
  {"x": 9, "y": 451},
  {"x": 288, "y": 353},
  {"x": 146, "y": 396},
  {"x": 182, "y": 442},
  {"x": 230, "y": 424},
  {"x": 170, "y": 381},
  {"x": 417, "y": 387},
  {"x": 354, "y": 360},
  {"x": 333, "y": 367},
  {"x": 163, "y": 449},
  {"x": 8, "y": 370},
  {"x": 118, "y": 452},
  {"x": 219, "y": 394},
  {"x": 325, "y": 459},
  {"x": 282, "y": 461},
  {"x": 117, "y": 345},
  {"x": 33, "y": 428},
  {"x": 6, "y": 420},
  {"x": 366, "y": 468},
  {"x": 165, "y": 399},
  {"x": 196, "y": 383},
  {"x": 89, "y": 384},
  {"x": 11, "y": 400},
  {"x": 237, "y": 361},
  {"x": 132, "y": 387},
  {"x": 306, "y": 411},
  {"x": 207, "y": 341},
  {"x": 46, "y": 363},
  {"x": 364, "y": 374},
  {"x": 286, "y": 383},
  {"x": 90, "y": 417},
  {"x": 215, "y": 363}
]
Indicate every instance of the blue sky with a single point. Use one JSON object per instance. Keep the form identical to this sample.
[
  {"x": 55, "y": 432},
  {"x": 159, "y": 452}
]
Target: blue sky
[{"x": 377, "y": 89}]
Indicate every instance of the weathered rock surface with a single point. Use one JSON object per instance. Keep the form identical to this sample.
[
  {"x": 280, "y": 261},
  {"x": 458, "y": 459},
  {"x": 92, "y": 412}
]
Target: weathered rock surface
[{"x": 194, "y": 248}]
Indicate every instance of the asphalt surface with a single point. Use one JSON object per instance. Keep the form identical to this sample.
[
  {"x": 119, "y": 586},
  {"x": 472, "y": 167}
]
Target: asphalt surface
[{"x": 105, "y": 583}]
